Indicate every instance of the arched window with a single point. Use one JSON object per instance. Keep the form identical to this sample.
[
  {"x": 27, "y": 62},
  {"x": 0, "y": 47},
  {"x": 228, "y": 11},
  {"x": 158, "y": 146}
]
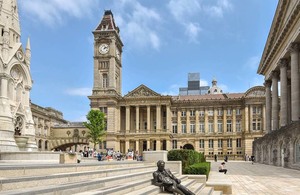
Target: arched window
[
  {"x": 105, "y": 81},
  {"x": 40, "y": 144}
]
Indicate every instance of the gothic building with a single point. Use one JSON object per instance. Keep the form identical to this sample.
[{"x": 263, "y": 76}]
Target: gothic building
[
  {"x": 215, "y": 123},
  {"x": 280, "y": 66}
]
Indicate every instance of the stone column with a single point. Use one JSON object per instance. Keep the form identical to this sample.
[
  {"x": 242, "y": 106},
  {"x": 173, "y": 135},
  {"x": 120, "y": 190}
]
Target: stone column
[
  {"x": 148, "y": 144},
  {"x": 126, "y": 145},
  {"x": 3, "y": 92},
  {"x": 264, "y": 118},
  {"x": 169, "y": 119},
  {"x": 158, "y": 145},
  {"x": 179, "y": 122},
  {"x": 268, "y": 106},
  {"x": 169, "y": 147},
  {"x": 246, "y": 119},
  {"x": 275, "y": 107},
  {"x": 295, "y": 88},
  {"x": 127, "y": 118},
  {"x": 197, "y": 122},
  {"x": 225, "y": 120},
  {"x": 283, "y": 92},
  {"x": 148, "y": 120},
  {"x": 215, "y": 120},
  {"x": 137, "y": 118},
  {"x": 188, "y": 122},
  {"x": 251, "y": 118},
  {"x": 158, "y": 117},
  {"x": 233, "y": 120},
  {"x": 137, "y": 146},
  {"x": 206, "y": 120}
]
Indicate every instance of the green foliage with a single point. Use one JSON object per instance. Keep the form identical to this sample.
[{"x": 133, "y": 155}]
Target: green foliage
[
  {"x": 96, "y": 125},
  {"x": 198, "y": 169},
  {"x": 187, "y": 157}
]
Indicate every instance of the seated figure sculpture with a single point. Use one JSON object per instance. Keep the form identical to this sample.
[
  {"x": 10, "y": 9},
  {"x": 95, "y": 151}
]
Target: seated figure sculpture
[{"x": 164, "y": 177}]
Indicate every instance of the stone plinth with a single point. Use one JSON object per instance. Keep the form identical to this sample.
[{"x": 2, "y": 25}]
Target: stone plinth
[
  {"x": 67, "y": 158},
  {"x": 154, "y": 156}
]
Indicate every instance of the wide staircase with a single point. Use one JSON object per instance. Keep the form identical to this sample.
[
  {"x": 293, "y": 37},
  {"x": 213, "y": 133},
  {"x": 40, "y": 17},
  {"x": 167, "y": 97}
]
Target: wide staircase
[{"x": 88, "y": 178}]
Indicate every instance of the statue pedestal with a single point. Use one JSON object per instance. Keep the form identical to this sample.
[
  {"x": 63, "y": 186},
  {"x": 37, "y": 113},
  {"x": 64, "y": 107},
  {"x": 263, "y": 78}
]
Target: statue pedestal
[{"x": 67, "y": 158}]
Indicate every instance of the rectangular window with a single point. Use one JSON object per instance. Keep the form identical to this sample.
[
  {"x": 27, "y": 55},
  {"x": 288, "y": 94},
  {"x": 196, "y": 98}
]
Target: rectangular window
[
  {"x": 238, "y": 142},
  {"x": 220, "y": 143},
  {"x": 229, "y": 126},
  {"x": 202, "y": 127},
  {"x": 210, "y": 112},
  {"x": 174, "y": 144},
  {"x": 201, "y": 143},
  {"x": 174, "y": 113},
  {"x": 183, "y": 113},
  {"x": 174, "y": 128},
  {"x": 192, "y": 127},
  {"x": 229, "y": 111},
  {"x": 220, "y": 126},
  {"x": 238, "y": 126},
  {"x": 103, "y": 109},
  {"x": 192, "y": 113},
  {"x": 183, "y": 128},
  {"x": 211, "y": 143},
  {"x": 256, "y": 110},
  {"x": 256, "y": 124},
  {"x": 220, "y": 112},
  {"x": 201, "y": 113},
  {"x": 210, "y": 127},
  {"x": 229, "y": 143},
  {"x": 238, "y": 111}
]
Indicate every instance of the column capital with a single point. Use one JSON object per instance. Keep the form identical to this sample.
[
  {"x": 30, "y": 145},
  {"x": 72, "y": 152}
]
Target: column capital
[
  {"x": 274, "y": 74},
  {"x": 293, "y": 47},
  {"x": 283, "y": 63},
  {"x": 268, "y": 83}
]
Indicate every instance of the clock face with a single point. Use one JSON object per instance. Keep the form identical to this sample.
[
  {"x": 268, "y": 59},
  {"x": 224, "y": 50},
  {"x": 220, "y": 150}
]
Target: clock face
[{"x": 103, "y": 48}]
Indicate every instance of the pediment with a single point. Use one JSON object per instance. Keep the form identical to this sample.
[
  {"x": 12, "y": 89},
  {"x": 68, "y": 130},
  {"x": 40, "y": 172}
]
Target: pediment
[
  {"x": 258, "y": 91},
  {"x": 142, "y": 91}
]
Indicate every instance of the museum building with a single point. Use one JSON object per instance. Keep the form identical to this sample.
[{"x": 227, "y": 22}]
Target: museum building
[
  {"x": 280, "y": 66},
  {"x": 213, "y": 123}
]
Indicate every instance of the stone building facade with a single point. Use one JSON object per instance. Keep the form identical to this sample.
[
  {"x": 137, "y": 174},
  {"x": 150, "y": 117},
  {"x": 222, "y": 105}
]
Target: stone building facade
[
  {"x": 222, "y": 124},
  {"x": 280, "y": 66}
]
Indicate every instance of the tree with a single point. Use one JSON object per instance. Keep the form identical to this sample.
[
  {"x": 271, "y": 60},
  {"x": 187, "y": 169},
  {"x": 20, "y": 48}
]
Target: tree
[{"x": 96, "y": 125}]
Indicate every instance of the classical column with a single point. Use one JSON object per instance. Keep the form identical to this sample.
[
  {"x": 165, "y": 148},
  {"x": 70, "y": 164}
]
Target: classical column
[
  {"x": 246, "y": 119},
  {"x": 233, "y": 120},
  {"x": 127, "y": 118},
  {"x": 158, "y": 117},
  {"x": 137, "y": 145},
  {"x": 215, "y": 120},
  {"x": 206, "y": 120},
  {"x": 3, "y": 92},
  {"x": 158, "y": 145},
  {"x": 126, "y": 146},
  {"x": 225, "y": 120},
  {"x": 250, "y": 118},
  {"x": 179, "y": 122},
  {"x": 283, "y": 92},
  {"x": 148, "y": 119},
  {"x": 137, "y": 118},
  {"x": 275, "y": 107},
  {"x": 197, "y": 121},
  {"x": 148, "y": 144},
  {"x": 295, "y": 88},
  {"x": 169, "y": 119},
  {"x": 268, "y": 84},
  {"x": 188, "y": 122},
  {"x": 264, "y": 118}
]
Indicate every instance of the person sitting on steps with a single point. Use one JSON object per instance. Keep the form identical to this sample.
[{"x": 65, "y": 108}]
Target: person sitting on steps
[{"x": 222, "y": 168}]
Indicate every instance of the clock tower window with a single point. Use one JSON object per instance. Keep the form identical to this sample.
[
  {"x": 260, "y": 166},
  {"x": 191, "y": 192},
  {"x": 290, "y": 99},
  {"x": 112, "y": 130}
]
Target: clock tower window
[{"x": 104, "y": 81}]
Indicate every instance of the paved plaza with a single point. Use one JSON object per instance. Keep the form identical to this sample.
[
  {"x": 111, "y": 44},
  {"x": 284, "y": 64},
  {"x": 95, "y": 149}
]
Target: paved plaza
[{"x": 260, "y": 179}]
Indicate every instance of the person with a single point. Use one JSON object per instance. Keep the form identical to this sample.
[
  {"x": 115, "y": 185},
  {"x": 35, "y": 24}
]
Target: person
[
  {"x": 164, "y": 177},
  {"x": 222, "y": 168},
  {"x": 226, "y": 158},
  {"x": 252, "y": 159},
  {"x": 216, "y": 158}
]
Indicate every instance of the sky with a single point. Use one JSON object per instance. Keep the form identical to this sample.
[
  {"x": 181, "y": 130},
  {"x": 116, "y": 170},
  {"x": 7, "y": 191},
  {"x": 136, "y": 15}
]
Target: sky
[{"x": 164, "y": 40}]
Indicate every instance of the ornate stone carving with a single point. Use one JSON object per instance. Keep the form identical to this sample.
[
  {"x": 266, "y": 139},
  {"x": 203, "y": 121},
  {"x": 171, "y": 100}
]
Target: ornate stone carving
[
  {"x": 142, "y": 91},
  {"x": 283, "y": 62},
  {"x": 293, "y": 47},
  {"x": 268, "y": 84},
  {"x": 256, "y": 93}
]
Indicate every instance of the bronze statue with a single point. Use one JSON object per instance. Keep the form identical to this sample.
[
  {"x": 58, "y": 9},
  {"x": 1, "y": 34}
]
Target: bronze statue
[{"x": 163, "y": 177}]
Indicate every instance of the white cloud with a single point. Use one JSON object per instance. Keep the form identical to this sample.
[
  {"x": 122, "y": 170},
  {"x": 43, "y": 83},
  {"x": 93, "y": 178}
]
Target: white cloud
[
  {"x": 173, "y": 90},
  {"x": 139, "y": 24},
  {"x": 192, "y": 30},
  {"x": 53, "y": 12},
  {"x": 218, "y": 9},
  {"x": 253, "y": 62},
  {"x": 184, "y": 9},
  {"x": 79, "y": 92},
  {"x": 203, "y": 83}
]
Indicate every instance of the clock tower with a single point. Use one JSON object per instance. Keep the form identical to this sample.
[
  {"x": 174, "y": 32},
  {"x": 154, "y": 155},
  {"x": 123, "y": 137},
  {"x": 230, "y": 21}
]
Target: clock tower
[{"x": 107, "y": 58}]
